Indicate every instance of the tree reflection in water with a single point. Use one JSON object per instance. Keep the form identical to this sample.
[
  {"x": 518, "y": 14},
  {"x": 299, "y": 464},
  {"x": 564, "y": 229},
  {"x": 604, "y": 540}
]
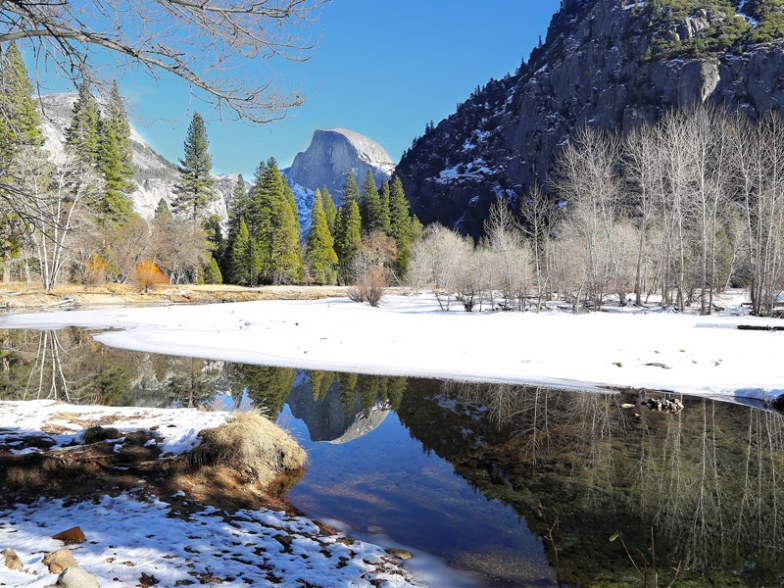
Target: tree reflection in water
[{"x": 700, "y": 489}]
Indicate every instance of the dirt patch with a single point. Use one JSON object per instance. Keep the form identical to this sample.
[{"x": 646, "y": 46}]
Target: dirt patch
[{"x": 20, "y": 298}]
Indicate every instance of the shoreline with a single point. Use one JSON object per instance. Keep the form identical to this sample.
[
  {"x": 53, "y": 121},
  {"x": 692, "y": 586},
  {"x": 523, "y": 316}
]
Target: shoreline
[
  {"x": 147, "y": 511},
  {"x": 408, "y": 335}
]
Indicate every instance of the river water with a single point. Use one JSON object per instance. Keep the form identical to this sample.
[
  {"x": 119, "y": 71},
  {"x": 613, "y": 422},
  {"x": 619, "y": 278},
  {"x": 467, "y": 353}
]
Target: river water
[{"x": 497, "y": 485}]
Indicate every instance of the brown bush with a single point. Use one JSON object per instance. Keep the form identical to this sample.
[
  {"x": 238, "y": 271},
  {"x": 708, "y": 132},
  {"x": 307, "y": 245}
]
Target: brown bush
[
  {"x": 370, "y": 286},
  {"x": 147, "y": 275},
  {"x": 96, "y": 271}
]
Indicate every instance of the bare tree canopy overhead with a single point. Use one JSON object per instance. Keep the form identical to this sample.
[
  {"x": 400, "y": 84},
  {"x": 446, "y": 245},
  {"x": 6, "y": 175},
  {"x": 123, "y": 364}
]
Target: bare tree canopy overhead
[{"x": 211, "y": 44}]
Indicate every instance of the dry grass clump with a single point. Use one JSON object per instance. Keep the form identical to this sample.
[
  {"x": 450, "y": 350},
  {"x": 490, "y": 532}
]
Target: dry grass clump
[
  {"x": 98, "y": 433},
  {"x": 251, "y": 445}
]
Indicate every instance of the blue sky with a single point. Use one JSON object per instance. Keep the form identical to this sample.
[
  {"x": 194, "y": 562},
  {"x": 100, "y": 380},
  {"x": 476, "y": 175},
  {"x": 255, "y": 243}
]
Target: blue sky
[{"x": 382, "y": 69}]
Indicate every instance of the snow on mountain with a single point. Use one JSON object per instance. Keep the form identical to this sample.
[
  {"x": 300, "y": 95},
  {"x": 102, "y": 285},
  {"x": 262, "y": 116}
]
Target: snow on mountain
[
  {"x": 332, "y": 153},
  {"x": 155, "y": 175}
]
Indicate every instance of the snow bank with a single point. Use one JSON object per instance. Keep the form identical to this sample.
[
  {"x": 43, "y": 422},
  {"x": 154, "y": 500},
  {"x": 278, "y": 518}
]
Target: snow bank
[
  {"x": 129, "y": 536},
  {"x": 409, "y": 336}
]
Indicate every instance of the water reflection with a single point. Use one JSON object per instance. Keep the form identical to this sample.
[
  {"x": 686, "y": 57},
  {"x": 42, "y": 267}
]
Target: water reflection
[{"x": 526, "y": 485}]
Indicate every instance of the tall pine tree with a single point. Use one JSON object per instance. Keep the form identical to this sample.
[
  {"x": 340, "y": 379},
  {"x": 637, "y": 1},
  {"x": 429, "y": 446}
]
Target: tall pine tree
[
  {"x": 274, "y": 229},
  {"x": 330, "y": 210},
  {"x": 20, "y": 122},
  {"x": 241, "y": 257},
  {"x": 320, "y": 253},
  {"x": 83, "y": 134},
  {"x": 350, "y": 188},
  {"x": 372, "y": 218},
  {"x": 196, "y": 187},
  {"x": 400, "y": 226},
  {"x": 19, "y": 127},
  {"x": 114, "y": 160},
  {"x": 348, "y": 239},
  {"x": 384, "y": 197}
]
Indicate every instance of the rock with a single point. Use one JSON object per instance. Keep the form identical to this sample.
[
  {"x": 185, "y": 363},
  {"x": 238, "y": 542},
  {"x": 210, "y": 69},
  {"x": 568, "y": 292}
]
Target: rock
[
  {"x": 59, "y": 561},
  {"x": 70, "y": 536},
  {"x": 332, "y": 153},
  {"x": 401, "y": 554},
  {"x": 76, "y": 578},
  {"x": 12, "y": 561}
]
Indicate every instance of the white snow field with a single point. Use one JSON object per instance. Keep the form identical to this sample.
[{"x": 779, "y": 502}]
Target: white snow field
[{"x": 409, "y": 335}]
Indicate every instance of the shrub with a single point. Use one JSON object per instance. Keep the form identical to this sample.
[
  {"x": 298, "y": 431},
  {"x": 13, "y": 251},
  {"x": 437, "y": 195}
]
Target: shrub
[
  {"x": 370, "y": 286},
  {"x": 96, "y": 271},
  {"x": 147, "y": 275}
]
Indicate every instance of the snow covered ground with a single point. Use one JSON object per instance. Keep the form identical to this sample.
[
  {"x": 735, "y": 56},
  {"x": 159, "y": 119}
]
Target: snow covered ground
[
  {"x": 651, "y": 348},
  {"x": 170, "y": 539},
  {"x": 129, "y": 536}
]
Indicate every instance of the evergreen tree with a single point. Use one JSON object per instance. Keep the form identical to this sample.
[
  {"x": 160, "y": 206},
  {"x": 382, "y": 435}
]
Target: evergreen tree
[
  {"x": 320, "y": 253},
  {"x": 400, "y": 226},
  {"x": 114, "y": 160},
  {"x": 162, "y": 210},
  {"x": 240, "y": 256},
  {"x": 211, "y": 272},
  {"x": 20, "y": 123},
  {"x": 238, "y": 210},
  {"x": 371, "y": 206},
  {"x": 330, "y": 210},
  {"x": 348, "y": 239},
  {"x": 384, "y": 197},
  {"x": 196, "y": 188},
  {"x": 274, "y": 229},
  {"x": 350, "y": 188},
  {"x": 19, "y": 126},
  {"x": 82, "y": 134}
]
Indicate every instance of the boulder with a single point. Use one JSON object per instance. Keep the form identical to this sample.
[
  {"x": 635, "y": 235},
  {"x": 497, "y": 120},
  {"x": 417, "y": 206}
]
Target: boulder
[
  {"x": 59, "y": 561},
  {"x": 69, "y": 536},
  {"x": 76, "y": 578},
  {"x": 12, "y": 561}
]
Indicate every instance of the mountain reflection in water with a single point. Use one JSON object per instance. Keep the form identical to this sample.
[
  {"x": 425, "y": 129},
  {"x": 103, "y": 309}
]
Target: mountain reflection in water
[{"x": 526, "y": 486}]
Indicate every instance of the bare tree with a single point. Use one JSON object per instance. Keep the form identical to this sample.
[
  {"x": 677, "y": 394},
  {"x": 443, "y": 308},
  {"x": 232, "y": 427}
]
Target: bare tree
[
  {"x": 212, "y": 45},
  {"x": 538, "y": 211},
  {"x": 54, "y": 198}
]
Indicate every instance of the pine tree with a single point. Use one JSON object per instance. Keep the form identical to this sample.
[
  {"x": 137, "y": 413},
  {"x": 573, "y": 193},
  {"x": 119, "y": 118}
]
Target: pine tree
[
  {"x": 274, "y": 229},
  {"x": 196, "y": 188},
  {"x": 348, "y": 239},
  {"x": 19, "y": 127},
  {"x": 20, "y": 123},
  {"x": 240, "y": 256},
  {"x": 384, "y": 197},
  {"x": 82, "y": 134},
  {"x": 330, "y": 210},
  {"x": 371, "y": 206},
  {"x": 238, "y": 211},
  {"x": 320, "y": 253},
  {"x": 211, "y": 272},
  {"x": 350, "y": 188},
  {"x": 400, "y": 226},
  {"x": 162, "y": 210},
  {"x": 114, "y": 160}
]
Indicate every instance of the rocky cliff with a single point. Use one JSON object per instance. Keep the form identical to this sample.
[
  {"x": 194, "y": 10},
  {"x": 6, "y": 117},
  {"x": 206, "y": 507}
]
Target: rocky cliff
[
  {"x": 155, "y": 176},
  {"x": 611, "y": 64},
  {"x": 332, "y": 153}
]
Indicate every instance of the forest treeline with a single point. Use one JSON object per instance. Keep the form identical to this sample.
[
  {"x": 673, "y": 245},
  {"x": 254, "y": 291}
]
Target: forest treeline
[
  {"x": 69, "y": 218},
  {"x": 680, "y": 210}
]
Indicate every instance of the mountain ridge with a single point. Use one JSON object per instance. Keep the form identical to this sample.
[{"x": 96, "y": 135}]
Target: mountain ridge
[{"x": 610, "y": 64}]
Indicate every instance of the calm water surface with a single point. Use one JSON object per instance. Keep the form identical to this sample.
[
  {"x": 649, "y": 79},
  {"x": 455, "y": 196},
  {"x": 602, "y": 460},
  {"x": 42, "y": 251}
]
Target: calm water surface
[{"x": 511, "y": 486}]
